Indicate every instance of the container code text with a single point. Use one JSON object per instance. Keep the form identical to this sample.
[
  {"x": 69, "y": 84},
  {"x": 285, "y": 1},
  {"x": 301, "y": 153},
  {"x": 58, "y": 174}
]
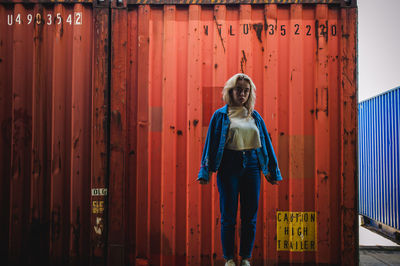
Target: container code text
[
  {"x": 282, "y": 30},
  {"x": 44, "y": 19}
]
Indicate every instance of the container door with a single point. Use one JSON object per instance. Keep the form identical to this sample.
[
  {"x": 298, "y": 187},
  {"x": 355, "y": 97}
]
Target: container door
[
  {"x": 169, "y": 63},
  {"x": 53, "y": 119}
]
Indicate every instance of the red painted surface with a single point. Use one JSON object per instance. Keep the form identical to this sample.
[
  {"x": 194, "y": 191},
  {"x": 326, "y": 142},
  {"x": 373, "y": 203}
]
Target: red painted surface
[
  {"x": 179, "y": 59},
  {"x": 100, "y": 133},
  {"x": 46, "y": 132},
  {"x": 123, "y": 102}
]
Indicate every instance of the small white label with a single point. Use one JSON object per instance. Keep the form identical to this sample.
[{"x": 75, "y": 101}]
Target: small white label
[{"x": 99, "y": 192}]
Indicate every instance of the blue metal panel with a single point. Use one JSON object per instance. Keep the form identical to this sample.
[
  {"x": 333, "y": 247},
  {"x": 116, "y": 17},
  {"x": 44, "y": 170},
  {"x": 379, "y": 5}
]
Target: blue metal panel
[{"x": 379, "y": 158}]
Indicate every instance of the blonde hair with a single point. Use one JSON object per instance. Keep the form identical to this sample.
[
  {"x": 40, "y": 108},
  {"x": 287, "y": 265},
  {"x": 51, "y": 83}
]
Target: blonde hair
[{"x": 231, "y": 84}]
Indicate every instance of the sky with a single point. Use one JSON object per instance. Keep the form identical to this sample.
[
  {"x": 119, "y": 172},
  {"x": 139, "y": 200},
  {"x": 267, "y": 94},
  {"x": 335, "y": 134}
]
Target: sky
[{"x": 378, "y": 47}]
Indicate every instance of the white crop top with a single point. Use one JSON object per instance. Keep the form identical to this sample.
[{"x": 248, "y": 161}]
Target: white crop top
[{"x": 243, "y": 133}]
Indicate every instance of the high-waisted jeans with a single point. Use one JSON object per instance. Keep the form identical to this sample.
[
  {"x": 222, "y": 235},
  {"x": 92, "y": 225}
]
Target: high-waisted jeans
[{"x": 239, "y": 174}]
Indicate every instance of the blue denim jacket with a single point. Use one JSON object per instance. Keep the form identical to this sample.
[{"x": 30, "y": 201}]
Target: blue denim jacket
[{"x": 215, "y": 144}]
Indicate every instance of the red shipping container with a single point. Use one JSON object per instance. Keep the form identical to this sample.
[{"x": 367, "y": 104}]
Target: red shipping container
[{"x": 104, "y": 111}]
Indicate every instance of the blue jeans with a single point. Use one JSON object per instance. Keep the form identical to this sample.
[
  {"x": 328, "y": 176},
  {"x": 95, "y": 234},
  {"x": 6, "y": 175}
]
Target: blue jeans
[{"x": 239, "y": 173}]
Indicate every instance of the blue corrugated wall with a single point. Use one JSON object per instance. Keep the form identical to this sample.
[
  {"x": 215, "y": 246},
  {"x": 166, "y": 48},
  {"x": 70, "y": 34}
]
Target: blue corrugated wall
[{"x": 379, "y": 158}]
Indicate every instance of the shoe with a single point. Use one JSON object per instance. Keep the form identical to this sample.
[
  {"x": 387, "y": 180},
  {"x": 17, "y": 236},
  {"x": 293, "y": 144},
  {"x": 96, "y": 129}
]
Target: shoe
[
  {"x": 245, "y": 262},
  {"x": 230, "y": 263}
]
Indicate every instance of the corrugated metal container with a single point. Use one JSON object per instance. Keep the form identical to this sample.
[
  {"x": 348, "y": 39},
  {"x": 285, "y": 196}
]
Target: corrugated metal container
[
  {"x": 379, "y": 160},
  {"x": 169, "y": 65},
  {"x": 53, "y": 90},
  {"x": 104, "y": 111}
]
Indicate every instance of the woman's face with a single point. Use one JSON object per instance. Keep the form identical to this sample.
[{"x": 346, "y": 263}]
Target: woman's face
[{"x": 240, "y": 94}]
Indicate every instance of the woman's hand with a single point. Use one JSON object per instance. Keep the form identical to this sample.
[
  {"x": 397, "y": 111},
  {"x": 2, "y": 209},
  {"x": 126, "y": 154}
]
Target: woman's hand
[
  {"x": 270, "y": 180},
  {"x": 203, "y": 181}
]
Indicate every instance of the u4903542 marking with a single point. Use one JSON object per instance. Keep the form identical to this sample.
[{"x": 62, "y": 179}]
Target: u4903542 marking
[{"x": 45, "y": 19}]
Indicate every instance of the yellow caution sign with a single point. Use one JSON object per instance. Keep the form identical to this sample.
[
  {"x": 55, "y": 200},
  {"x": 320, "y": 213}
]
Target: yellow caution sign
[
  {"x": 296, "y": 231},
  {"x": 98, "y": 206}
]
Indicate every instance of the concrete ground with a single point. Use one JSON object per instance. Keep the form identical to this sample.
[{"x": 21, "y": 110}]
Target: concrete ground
[{"x": 377, "y": 250}]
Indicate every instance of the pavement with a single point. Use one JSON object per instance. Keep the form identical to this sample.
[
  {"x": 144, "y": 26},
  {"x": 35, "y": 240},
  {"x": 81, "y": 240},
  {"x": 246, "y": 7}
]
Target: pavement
[{"x": 377, "y": 250}]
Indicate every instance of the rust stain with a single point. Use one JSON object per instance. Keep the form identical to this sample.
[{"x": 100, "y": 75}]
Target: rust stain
[
  {"x": 327, "y": 101},
  {"x": 219, "y": 32},
  {"x": 76, "y": 141},
  {"x": 116, "y": 118},
  {"x": 323, "y": 175},
  {"x": 243, "y": 62},
  {"x": 317, "y": 34},
  {"x": 205, "y": 29},
  {"x": 265, "y": 21},
  {"x": 326, "y": 30},
  {"x": 258, "y": 28}
]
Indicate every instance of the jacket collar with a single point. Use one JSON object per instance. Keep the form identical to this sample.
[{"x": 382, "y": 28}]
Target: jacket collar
[{"x": 224, "y": 109}]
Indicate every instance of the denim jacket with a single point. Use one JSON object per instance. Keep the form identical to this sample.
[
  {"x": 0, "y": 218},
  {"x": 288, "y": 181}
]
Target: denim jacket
[{"x": 215, "y": 144}]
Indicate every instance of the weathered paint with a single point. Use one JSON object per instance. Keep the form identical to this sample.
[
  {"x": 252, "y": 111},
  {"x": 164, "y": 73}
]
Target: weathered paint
[
  {"x": 46, "y": 90},
  {"x": 103, "y": 123},
  {"x": 302, "y": 59},
  {"x": 100, "y": 133}
]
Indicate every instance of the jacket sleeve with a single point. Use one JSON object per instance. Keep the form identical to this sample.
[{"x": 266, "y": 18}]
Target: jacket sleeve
[
  {"x": 273, "y": 167},
  {"x": 205, "y": 170}
]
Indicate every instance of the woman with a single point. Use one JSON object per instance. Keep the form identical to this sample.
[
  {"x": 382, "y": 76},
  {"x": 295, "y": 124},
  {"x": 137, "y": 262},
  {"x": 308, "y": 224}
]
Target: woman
[{"x": 238, "y": 147}]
